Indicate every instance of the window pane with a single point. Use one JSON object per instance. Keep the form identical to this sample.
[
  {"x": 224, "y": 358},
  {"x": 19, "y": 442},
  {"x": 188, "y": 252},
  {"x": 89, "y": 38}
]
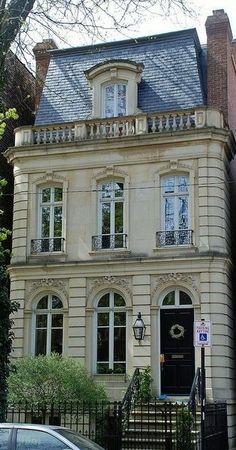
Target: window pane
[
  {"x": 56, "y": 341},
  {"x": 102, "y": 368},
  {"x": 103, "y": 344},
  {"x": 169, "y": 299},
  {"x": 40, "y": 342},
  {"x": 57, "y": 221},
  {"x": 109, "y": 101},
  {"x": 119, "y": 368},
  {"x": 4, "y": 435},
  {"x": 183, "y": 213},
  {"x": 46, "y": 195},
  {"x": 103, "y": 319},
  {"x": 119, "y": 344},
  {"x": 107, "y": 190},
  {"x": 119, "y": 318},
  {"x": 56, "y": 302},
  {"x": 184, "y": 299},
  {"x": 121, "y": 100},
  {"x": 106, "y": 218},
  {"x": 57, "y": 320},
  {"x": 118, "y": 189},
  {"x": 57, "y": 194},
  {"x": 118, "y": 300},
  {"x": 119, "y": 217},
  {"x": 169, "y": 184},
  {"x": 35, "y": 440},
  {"x": 169, "y": 214},
  {"x": 104, "y": 301},
  {"x": 183, "y": 183},
  {"x": 45, "y": 227},
  {"x": 43, "y": 303},
  {"x": 41, "y": 320}
]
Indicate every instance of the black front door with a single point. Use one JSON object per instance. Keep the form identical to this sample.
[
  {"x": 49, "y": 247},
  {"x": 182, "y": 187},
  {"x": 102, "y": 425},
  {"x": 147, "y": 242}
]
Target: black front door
[{"x": 177, "y": 370}]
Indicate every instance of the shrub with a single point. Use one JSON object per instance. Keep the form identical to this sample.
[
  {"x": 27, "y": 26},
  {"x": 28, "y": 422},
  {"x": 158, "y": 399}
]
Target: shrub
[
  {"x": 184, "y": 423},
  {"x": 47, "y": 379},
  {"x": 145, "y": 385}
]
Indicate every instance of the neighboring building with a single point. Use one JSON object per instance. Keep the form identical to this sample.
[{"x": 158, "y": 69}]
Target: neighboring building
[
  {"x": 19, "y": 93},
  {"x": 122, "y": 205}
]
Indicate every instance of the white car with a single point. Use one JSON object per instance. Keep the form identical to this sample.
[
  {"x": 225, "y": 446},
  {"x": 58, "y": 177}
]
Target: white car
[{"x": 16, "y": 436}]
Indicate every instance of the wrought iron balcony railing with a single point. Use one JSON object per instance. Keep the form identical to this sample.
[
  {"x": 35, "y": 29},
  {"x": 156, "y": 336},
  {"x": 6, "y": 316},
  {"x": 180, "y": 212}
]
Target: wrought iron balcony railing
[
  {"x": 175, "y": 238},
  {"x": 56, "y": 244},
  {"x": 109, "y": 241}
]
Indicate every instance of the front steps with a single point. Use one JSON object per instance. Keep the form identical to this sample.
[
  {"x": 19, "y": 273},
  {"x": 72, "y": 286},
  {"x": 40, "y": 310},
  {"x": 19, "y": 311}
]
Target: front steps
[{"x": 152, "y": 426}]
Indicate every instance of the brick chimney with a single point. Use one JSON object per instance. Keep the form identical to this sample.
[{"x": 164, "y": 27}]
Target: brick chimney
[
  {"x": 221, "y": 67},
  {"x": 42, "y": 58}
]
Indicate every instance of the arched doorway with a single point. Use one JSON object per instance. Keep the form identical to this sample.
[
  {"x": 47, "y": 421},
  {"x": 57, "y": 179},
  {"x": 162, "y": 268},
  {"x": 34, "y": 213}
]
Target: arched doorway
[{"x": 177, "y": 360}]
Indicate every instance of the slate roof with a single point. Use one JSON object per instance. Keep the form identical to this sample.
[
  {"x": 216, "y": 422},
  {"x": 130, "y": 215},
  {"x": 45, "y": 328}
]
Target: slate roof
[{"x": 173, "y": 75}]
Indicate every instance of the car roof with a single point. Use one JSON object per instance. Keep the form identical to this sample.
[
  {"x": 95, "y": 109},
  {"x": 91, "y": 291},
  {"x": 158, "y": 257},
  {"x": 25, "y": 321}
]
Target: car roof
[{"x": 32, "y": 426}]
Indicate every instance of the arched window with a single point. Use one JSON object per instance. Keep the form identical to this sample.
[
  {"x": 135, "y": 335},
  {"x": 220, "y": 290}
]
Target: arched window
[
  {"x": 48, "y": 325},
  {"x": 115, "y": 101},
  {"x": 111, "y": 334},
  {"x": 176, "y": 298}
]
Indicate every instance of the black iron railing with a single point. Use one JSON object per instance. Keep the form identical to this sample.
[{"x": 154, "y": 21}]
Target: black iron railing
[
  {"x": 56, "y": 244},
  {"x": 109, "y": 241},
  {"x": 194, "y": 397},
  {"x": 175, "y": 237},
  {"x": 131, "y": 424}
]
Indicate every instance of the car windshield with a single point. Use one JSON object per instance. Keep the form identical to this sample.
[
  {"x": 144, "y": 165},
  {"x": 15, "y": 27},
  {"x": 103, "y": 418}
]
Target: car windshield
[{"x": 78, "y": 440}]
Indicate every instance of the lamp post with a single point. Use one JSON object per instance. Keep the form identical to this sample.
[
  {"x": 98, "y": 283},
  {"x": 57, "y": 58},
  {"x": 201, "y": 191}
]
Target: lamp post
[{"x": 139, "y": 328}]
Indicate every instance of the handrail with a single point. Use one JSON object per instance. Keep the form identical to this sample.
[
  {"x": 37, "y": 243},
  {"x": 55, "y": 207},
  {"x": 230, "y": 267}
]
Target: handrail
[
  {"x": 129, "y": 398},
  {"x": 194, "y": 396}
]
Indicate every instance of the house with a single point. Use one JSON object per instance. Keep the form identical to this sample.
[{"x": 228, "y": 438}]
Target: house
[
  {"x": 122, "y": 209},
  {"x": 18, "y": 93}
]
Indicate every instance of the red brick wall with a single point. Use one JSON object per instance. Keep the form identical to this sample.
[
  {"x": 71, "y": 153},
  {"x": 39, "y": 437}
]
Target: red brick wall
[{"x": 42, "y": 57}]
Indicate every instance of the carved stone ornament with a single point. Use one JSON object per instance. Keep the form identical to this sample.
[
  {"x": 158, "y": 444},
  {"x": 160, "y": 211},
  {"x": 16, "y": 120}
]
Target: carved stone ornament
[
  {"x": 48, "y": 283},
  {"x": 109, "y": 280},
  {"x": 175, "y": 278}
]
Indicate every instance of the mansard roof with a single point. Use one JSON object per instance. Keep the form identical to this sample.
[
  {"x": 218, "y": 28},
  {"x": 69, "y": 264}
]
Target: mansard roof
[{"x": 172, "y": 77}]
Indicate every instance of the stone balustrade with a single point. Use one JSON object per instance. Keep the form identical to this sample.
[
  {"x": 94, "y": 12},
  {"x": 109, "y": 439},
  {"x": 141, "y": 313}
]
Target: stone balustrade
[{"x": 120, "y": 127}]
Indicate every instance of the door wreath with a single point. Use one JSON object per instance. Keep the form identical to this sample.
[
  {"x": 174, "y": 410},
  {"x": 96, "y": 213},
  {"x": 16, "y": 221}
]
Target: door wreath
[{"x": 177, "y": 331}]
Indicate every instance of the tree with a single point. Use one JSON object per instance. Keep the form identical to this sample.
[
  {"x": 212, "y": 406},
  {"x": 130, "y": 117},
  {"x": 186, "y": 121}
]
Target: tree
[
  {"x": 6, "y": 335},
  {"x": 51, "y": 379},
  {"x": 19, "y": 18}
]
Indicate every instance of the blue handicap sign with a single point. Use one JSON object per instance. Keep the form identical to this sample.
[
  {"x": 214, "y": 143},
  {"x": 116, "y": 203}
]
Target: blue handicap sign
[{"x": 203, "y": 337}]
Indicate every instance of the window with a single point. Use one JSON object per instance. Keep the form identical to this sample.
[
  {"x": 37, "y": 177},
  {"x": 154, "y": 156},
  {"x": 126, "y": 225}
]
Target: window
[
  {"x": 115, "y": 100},
  {"x": 111, "y": 334},
  {"x": 175, "y": 211},
  {"x": 4, "y": 436},
  {"x": 48, "y": 325},
  {"x": 50, "y": 220},
  {"x": 176, "y": 298},
  {"x": 110, "y": 216},
  {"x": 35, "y": 440}
]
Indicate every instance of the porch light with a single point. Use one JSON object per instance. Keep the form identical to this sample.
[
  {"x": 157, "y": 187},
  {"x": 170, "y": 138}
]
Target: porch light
[{"x": 139, "y": 328}]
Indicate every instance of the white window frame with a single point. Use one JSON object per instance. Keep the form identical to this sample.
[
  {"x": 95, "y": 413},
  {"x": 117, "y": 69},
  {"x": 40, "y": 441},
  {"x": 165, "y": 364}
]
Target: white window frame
[
  {"x": 52, "y": 204},
  {"x": 177, "y": 299},
  {"x": 112, "y": 201},
  {"x": 111, "y": 310},
  {"x": 49, "y": 312},
  {"x": 176, "y": 194},
  {"x": 115, "y": 105}
]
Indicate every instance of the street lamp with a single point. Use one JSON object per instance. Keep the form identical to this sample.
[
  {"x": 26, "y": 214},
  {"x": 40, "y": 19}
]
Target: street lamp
[{"x": 139, "y": 328}]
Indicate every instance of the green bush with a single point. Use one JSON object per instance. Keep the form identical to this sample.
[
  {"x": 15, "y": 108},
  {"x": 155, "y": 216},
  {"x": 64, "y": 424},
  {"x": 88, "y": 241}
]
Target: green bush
[
  {"x": 47, "y": 379},
  {"x": 145, "y": 385},
  {"x": 184, "y": 424}
]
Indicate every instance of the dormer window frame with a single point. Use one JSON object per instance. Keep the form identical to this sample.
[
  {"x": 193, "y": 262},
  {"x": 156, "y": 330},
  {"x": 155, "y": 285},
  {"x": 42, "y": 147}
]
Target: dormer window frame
[{"x": 115, "y": 72}]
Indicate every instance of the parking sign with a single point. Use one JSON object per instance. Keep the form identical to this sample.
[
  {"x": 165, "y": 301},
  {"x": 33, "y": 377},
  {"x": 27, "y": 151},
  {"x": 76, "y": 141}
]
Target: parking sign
[{"x": 202, "y": 333}]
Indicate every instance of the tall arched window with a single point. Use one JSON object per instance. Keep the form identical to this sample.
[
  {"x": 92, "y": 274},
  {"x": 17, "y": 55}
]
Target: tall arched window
[
  {"x": 111, "y": 334},
  {"x": 176, "y": 298},
  {"x": 48, "y": 325}
]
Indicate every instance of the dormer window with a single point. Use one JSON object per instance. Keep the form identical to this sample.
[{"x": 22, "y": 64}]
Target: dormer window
[
  {"x": 115, "y": 100},
  {"x": 115, "y": 88}
]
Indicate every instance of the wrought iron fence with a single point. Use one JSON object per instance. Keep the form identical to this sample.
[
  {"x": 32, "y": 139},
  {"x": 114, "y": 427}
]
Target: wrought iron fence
[
  {"x": 216, "y": 431},
  {"x": 55, "y": 244}
]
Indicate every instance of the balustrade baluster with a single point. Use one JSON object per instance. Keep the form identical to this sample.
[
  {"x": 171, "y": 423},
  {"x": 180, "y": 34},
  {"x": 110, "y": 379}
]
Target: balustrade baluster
[
  {"x": 92, "y": 131},
  {"x": 161, "y": 125},
  {"x": 153, "y": 127},
  {"x": 181, "y": 122},
  {"x": 174, "y": 125},
  {"x": 188, "y": 123},
  {"x": 167, "y": 126},
  {"x": 98, "y": 134}
]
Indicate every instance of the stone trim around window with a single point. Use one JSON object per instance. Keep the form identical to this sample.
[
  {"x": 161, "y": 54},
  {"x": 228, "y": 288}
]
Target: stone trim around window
[{"x": 115, "y": 71}]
